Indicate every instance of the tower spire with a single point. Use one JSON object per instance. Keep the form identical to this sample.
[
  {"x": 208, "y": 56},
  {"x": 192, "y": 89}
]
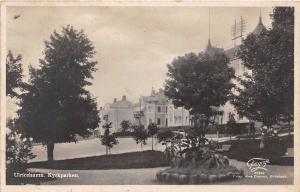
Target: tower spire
[
  {"x": 209, "y": 23},
  {"x": 260, "y": 18}
]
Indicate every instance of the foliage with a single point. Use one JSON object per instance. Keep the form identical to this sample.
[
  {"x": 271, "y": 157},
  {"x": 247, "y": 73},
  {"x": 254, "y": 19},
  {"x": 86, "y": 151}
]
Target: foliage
[
  {"x": 55, "y": 105},
  {"x": 172, "y": 142},
  {"x": 152, "y": 129},
  {"x": 18, "y": 147},
  {"x": 125, "y": 125},
  {"x": 199, "y": 82},
  {"x": 13, "y": 74},
  {"x": 194, "y": 151},
  {"x": 140, "y": 135},
  {"x": 108, "y": 139},
  {"x": 267, "y": 92}
]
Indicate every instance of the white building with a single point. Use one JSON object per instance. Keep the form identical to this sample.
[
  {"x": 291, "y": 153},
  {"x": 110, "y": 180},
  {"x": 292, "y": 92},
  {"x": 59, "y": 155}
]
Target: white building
[
  {"x": 157, "y": 108},
  {"x": 117, "y": 112}
]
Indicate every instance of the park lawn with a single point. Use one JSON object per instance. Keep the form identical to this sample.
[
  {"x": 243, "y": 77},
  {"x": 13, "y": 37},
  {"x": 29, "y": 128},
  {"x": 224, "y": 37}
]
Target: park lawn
[
  {"x": 143, "y": 159},
  {"x": 244, "y": 150}
]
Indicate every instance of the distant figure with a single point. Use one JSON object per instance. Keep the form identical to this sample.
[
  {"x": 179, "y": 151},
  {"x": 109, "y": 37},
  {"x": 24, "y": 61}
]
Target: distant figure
[{"x": 17, "y": 16}]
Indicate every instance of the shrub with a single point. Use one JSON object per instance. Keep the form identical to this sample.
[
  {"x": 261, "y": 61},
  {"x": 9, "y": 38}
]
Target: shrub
[{"x": 18, "y": 150}]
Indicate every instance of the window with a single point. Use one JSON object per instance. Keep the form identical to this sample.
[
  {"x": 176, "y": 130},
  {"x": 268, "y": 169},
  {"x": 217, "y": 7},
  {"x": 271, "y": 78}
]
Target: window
[
  {"x": 166, "y": 109},
  {"x": 167, "y": 122},
  {"x": 150, "y": 120},
  {"x": 158, "y": 121},
  {"x": 158, "y": 109}
]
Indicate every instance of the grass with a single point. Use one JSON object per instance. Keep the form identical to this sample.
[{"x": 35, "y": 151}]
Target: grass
[
  {"x": 243, "y": 150},
  {"x": 144, "y": 159}
]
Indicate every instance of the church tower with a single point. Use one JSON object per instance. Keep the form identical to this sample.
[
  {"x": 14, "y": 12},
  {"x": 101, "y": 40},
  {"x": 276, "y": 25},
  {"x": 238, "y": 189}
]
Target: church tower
[
  {"x": 210, "y": 50},
  {"x": 259, "y": 27}
]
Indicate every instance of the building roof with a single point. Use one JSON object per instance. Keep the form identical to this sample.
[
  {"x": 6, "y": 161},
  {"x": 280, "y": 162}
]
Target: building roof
[
  {"x": 156, "y": 97},
  {"x": 211, "y": 50},
  {"x": 124, "y": 103},
  {"x": 259, "y": 27},
  {"x": 231, "y": 53}
]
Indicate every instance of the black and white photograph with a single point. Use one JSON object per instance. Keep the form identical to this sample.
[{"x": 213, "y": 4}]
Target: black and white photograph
[{"x": 148, "y": 95}]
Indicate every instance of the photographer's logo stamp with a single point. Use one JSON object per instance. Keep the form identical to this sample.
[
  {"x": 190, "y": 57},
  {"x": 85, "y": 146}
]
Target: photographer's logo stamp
[{"x": 258, "y": 165}]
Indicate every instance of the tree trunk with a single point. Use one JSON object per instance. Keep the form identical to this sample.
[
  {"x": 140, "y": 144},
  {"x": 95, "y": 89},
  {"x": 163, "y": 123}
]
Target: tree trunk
[
  {"x": 152, "y": 143},
  {"x": 141, "y": 146},
  {"x": 289, "y": 120},
  {"x": 50, "y": 149}
]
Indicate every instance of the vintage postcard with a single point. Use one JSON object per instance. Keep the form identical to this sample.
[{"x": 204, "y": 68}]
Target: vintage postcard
[{"x": 132, "y": 96}]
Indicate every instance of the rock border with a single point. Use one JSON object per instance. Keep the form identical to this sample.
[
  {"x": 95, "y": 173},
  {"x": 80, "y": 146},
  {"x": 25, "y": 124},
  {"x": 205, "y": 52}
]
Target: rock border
[{"x": 183, "y": 179}]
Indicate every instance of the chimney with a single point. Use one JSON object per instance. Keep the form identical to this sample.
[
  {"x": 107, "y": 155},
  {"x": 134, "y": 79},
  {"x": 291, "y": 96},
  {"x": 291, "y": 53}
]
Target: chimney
[
  {"x": 124, "y": 97},
  {"x": 115, "y": 100}
]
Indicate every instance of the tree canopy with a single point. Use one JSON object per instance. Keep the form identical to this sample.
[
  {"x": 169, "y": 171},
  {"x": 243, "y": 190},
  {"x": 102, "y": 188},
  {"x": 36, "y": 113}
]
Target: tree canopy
[
  {"x": 199, "y": 81},
  {"x": 55, "y": 106},
  {"x": 125, "y": 125},
  {"x": 267, "y": 91},
  {"x": 13, "y": 74}
]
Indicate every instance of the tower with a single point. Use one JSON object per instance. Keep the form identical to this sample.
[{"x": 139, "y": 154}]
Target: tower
[
  {"x": 260, "y": 26},
  {"x": 211, "y": 50}
]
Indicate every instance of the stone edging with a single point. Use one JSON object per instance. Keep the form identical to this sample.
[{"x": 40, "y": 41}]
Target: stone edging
[{"x": 179, "y": 178}]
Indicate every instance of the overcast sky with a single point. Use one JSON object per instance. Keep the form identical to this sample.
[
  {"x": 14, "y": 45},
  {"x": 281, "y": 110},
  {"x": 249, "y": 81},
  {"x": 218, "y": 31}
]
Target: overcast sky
[{"x": 133, "y": 44}]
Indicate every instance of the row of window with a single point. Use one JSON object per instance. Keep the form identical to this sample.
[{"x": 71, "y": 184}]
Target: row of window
[
  {"x": 179, "y": 120},
  {"x": 159, "y": 109},
  {"x": 158, "y": 122}
]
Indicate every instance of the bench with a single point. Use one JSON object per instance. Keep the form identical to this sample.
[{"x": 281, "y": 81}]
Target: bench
[{"x": 224, "y": 148}]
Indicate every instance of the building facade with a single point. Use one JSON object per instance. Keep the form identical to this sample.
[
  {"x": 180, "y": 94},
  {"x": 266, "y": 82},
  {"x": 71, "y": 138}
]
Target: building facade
[
  {"x": 157, "y": 108},
  {"x": 117, "y": 112}
]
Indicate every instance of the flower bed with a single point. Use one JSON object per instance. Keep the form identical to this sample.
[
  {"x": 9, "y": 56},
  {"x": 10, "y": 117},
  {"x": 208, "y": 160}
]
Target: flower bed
[{"x": 198, "y": 175}]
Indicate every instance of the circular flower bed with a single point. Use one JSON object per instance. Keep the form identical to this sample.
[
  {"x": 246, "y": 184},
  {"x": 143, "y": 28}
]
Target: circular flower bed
[
  {"x": 198, "y": 175},
  {"x": 196, "y": 160}
]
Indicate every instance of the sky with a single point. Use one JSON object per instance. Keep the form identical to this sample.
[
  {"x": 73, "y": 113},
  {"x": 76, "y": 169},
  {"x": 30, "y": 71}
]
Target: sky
[{"x": 133, "y": 44}]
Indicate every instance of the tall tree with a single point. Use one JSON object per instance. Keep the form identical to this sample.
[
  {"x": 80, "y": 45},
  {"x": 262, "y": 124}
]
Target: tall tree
[
  {"x": 199, "y": 83},
  {"x": 266, "y": 93},
  {"x": 140, "y": 135},
  {"x": 13, "y": 74},
  {"x": 108, "y": 139},
  {"x": 152, "y": 130},
  {"x": 55, "y": 106}
]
